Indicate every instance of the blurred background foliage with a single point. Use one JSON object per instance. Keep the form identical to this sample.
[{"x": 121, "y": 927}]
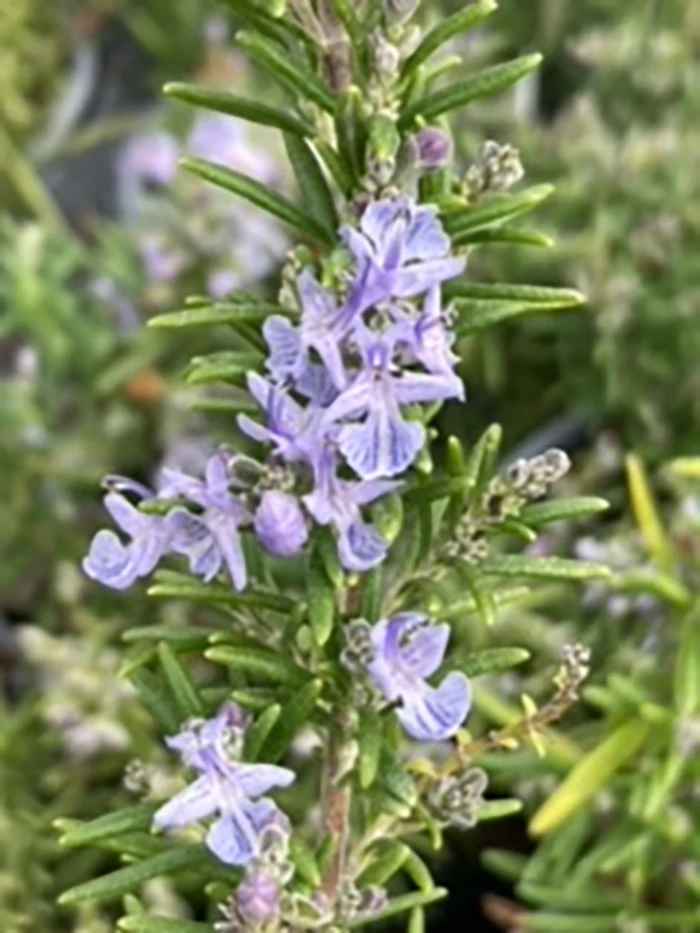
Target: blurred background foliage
[{"x": 98, "y": 232}]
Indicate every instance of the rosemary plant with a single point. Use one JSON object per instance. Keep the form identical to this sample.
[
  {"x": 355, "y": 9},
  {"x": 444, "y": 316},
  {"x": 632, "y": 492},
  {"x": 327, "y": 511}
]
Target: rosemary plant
[{"x": 322, "y": 540}]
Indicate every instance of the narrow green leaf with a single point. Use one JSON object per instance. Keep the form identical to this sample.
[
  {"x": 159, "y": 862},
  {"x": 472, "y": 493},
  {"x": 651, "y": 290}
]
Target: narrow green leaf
[
  {"x": 687, "y": 680},
  {"x": 370, "y": 747},
  {"x": 257, "y": 661},
  {"x": 220, "y": 313},
  {"x": 490, "y": 661},
  {"x": 156, "y": 699},
  {"x": 418, "y": 871},
  {"x": 337, "y": 167},
  {"x": 499, "y": 809},
  {"x": 400, "y": 905},
  {"x": 590, "y": 775},
  {"x": 135, "y": 659},
  {"x": 350, "y": 130},
  {"x": 541, "y": 295},
  {"x": 464, "y": 223},
  {"x": 480, "y": 316},
  {"x": 394, "y": 778},
  {"x": 505, "y": 864},
  {"x": 184, "y": 638},
  {"x": 451, "y": 26},
  {"x": 483, "y": 597},
  {"x": 647, "y": 514},
  {"x": 295, "y": 714},
  {"x": 321, "y": 599},
  {"x": 250, "y": 110},
  {"x": 259, "y": 731},
  {"x": 259, "y": 195},
  {"x": 304, "y": 861},
  {"x": 110, "y": 825},
  {"x": 114, "y": 885},
  {"x": 143, "y": 924},
  {"x": 416, "y": 922},
  {"x": 281, "y": 66},
  {"x": 188, "y": 701},
  {"x": 181, "y": 586},
  {"x": 372, "y": 593},
  {"x": 654, "y": 583},
  {"x": 504, "y": 236},
  {"x": 383, "y": 868},
  {"x": 547, "y": 568},
  {"x": 489, "y": 81},
  {"x": 544, "y": 513},
  {"x": 314, "y": 190}
]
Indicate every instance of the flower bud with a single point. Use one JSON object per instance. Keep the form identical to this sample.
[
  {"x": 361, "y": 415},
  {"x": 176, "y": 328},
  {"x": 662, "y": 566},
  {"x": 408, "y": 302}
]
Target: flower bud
[
  {"x": 433, "y": 148},
  {"x": 258, "y": 897},
  {"x": 279, "y": 524}
]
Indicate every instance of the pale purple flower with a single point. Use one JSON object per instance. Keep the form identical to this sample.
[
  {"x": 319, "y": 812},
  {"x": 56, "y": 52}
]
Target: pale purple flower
[
  {"x": 338, "y": 502},
  {"x": 225, "y": 788},
  {"x": 258, "y": 897},
  {"x": 151, "y": 158},
  {"x": 279, "y": 524},
  {"x": 385, "y": 443},
  {"x": 433, "y": 148},
  {"x": 219, "y": 138},
  {"x": 427, "y": 338},
  {"x": 222, "y": 281},
  {"x": 212, "y": 538},
  {"x": 407, "y": 649},
  {"x": 293, "y": 430},
  {"x": 321, "y": 329},
  {"x": 118, "y": 565},
  {"x": 401, "y": 251}
]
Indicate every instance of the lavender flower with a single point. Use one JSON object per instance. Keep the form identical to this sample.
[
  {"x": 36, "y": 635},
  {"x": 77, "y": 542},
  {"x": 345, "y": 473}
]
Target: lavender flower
[
  {"x": 231, "y": 790},
  {"x": 337, "y": 502},
  {"x": 433, "y": 148},
  {"x": 118, "y": 565},
  {"x": 212, "y": 538},
  {"x": 407, "y": 650},
  {"x": 401, "y": 251},
  {"x": 258, "y": 897},
  {"x": 385, "y": 444},
  {"x": 151, "y": 158},
  {"x": 279, "y": 524}
]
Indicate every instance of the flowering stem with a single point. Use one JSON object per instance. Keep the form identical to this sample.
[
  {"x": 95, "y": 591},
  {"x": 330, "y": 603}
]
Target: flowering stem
[{"x": 336, "y": 816}]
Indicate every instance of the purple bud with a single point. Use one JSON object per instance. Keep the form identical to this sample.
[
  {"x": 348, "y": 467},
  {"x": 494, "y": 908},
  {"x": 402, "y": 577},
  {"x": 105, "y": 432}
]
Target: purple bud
[
  {"x": 258, "y": 897},
  {"x": 279, "y": 524},
  {"x": 433, "y": 147}
]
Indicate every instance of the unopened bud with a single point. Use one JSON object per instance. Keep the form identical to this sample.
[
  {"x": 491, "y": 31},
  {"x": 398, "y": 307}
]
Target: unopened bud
[{"x": 433, "y": 148}]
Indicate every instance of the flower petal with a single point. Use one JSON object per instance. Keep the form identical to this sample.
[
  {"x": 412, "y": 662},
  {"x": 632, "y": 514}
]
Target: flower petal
[
  {"x": 417, "y": 388},
  {"x": 284, "y": 342},
  {"x": 384, "y": 445},
  {"x": 110, "y": 562},
  {"x": 224, "y": 528},
  {"x": 194, "y": 803},
  {"x": 233, "y": 839},
  {"x": 190, "y": 536},
  {"x": 423, "y": 652},
  {"x": 256, "y": 780},
  {"x": 415, "y": 279},
  {"x": 425, "y": 238},
  {"x": 125, "y": 514},
  {"x": 361, "y": 547},
  {"x": 430, "y": 715}
]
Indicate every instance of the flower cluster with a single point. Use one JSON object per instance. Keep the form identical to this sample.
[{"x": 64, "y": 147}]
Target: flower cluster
[
  {"x": 342, "y": 378},
  {"x": 336, "y": 401},
  {"x": 398, "y": 655},
  {"x": 225, "y": 788}
]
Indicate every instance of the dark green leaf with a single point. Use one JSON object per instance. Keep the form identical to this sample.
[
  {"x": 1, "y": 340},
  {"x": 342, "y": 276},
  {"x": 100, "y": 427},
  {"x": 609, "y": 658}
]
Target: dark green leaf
[
  {"x": 489, "y": 81},
  {"x": 157, "y": 699},
  {"x": 490, "y": 661},
  {"x": 257, "y": 661},
  {"x": 188, "y": 701},
  {"x": 450, "y": 26},
  {"x": 260, "y": 195},
  {"x": 385, "y": 865},
  {"x": 184, "y": 638},
  {"x": 143, "y": 924},
  {"x": 217, "y": 314},
  {"x": 466, "y": 222},
  {"x": 304, "y": 861},
  {"x": 548, "y": 568},
  {"x": 399, "y": 905},
  {"x": 295, "y": 715},
  {"x": 110, "y": 825},
  {"x": 250, "y": 110},
  {"x": 180, "y": 586},
  {"x": 281, "y": 66},
  {"x": 505, "y": 236},
  {"x": 259, "y": 731},
  {"x": 540, "y": 295},
  {"x": 114, "y": 885},
  {"x": 321, "y": 599},
  {"x": 315, "y": 194},
  {"x": 370, "y": 747},
  {"x": 543, "y": 513}
]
